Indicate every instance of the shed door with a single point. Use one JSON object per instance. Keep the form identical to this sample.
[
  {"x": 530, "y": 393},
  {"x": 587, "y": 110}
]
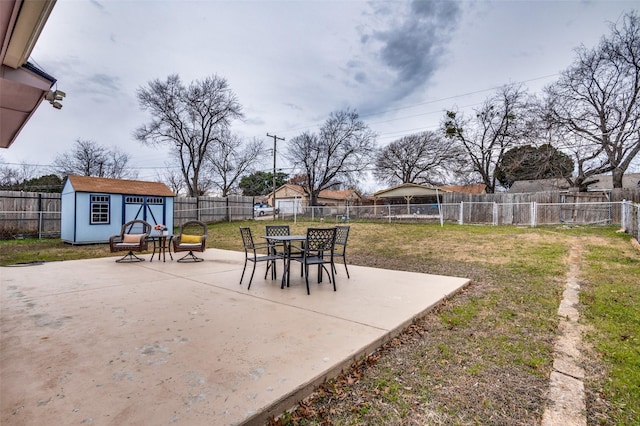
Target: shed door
[
  {"x": 146, "y": 208},
  {"x": 154, "y": 212}
]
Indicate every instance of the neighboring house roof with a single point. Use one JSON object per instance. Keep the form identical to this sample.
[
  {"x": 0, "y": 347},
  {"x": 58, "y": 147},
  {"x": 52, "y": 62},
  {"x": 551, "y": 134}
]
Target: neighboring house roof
[
  {"x": 22, "y": 85},
  {"x": 605, "y": 182},
  {"x": 288, "y": 188},
  {"x": 341, "y": 194},
  {"x": 409, "y": 190},
  {"x": 478, "y": 188},
  {"x": 118, "y": 186},
  {"x": 539, "y": 185}
]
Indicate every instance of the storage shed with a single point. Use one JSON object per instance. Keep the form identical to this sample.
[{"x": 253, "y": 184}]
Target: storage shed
[{"x": 95, "y": 208}]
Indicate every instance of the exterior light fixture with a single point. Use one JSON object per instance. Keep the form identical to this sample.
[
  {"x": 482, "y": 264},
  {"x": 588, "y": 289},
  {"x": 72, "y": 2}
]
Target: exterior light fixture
[{"x": 54, "y": 96}]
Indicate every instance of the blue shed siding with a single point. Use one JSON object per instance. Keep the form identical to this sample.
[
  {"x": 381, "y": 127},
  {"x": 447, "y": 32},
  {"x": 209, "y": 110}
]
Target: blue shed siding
[
  {"x": 76, "y": 226},
  {"x": 67, "y": 214}
]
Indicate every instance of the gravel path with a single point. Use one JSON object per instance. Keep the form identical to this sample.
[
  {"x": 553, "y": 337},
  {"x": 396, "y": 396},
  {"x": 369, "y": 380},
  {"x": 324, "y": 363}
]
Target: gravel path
[{"x": 566, "y": 400}]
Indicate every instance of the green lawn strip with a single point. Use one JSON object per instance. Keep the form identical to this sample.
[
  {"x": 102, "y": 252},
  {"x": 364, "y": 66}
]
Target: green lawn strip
[
  {"x": 611, "y": 299},
  {"x": 31, "y": 250}
]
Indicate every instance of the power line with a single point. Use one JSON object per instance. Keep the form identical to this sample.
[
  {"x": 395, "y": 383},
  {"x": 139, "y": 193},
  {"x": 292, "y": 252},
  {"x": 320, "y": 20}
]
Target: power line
[
  {"x": 475, "y": 92},
  {"x": 381, "y": 136}
]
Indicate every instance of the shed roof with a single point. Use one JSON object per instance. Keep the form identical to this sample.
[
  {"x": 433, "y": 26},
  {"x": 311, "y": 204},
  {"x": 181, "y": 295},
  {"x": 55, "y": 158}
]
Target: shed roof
[{"x": 119, "y": 186}]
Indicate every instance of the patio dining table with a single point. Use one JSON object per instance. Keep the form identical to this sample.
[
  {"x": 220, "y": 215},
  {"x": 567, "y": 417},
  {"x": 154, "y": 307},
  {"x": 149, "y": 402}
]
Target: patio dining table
[{"x": 286, "y": 241}]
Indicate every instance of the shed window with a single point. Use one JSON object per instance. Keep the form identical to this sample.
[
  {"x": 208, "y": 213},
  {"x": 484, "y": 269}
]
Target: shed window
[
  {"x": 99, "y": 209},
  {"x": 154, "y": 200},
  {"x": 133, "y": 200}
]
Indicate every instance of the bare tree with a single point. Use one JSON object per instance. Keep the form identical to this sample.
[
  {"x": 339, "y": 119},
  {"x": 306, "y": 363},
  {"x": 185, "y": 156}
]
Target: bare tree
[
  {"x": 172, "y": 177},
  {"x": 498, "y": 125},
  {"x": 88, "y": 158},
  {"x": 9, "y": 176},
  {"x": 594, "y": 108},
  {"x": 420, "y": 158},
  {"x": 231, "y": 159},
  {"x": 188, "y": 119},
  {"x": 343, "y": 149}
]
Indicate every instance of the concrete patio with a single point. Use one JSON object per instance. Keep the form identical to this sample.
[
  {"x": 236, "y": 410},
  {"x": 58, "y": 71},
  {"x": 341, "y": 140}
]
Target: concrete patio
[{"x": 154, "y": 343}]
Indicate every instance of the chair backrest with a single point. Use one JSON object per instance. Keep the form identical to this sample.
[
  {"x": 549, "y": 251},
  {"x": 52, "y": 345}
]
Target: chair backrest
[
  {"x": 320, "y": 239},
  {"x": 136, "y": 226},
  {"x": 194, "y": 227},
  {"x": 247, "y": 238},
  {"x": 342, "y": 234},
  {"x": 277, "y": 230}
]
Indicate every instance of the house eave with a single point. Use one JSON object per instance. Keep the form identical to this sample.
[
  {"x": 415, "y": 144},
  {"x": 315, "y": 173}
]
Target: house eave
[{"x": 22, "y": 85}]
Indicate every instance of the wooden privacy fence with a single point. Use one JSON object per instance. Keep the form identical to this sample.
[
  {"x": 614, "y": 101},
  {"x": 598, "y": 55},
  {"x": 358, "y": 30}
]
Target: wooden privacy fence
[
  {"x": 38, "y": 214},
  {"x": 32, "y": 214},
  {"x": 212, "y": 209},
  {"x": 29, "y": 213}
]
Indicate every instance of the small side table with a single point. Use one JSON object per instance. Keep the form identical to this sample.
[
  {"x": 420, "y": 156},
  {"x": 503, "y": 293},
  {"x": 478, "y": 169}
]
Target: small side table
[{"x": 162, "y": 243}]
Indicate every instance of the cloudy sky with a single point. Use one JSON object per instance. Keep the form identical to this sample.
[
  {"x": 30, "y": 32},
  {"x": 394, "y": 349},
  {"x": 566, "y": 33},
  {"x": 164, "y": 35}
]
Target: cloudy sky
[{"x": 399, "y": 64}]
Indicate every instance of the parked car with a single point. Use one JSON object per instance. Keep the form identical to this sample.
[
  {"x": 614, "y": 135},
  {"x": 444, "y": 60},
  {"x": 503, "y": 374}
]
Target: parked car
[{"x": 261, "y": 209}]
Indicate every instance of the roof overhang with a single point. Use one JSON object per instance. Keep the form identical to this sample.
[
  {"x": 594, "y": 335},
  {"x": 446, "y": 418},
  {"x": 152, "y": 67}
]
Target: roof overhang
[
  {"x": 22, "y": 86},
  {"x": 408, "y": 190}
]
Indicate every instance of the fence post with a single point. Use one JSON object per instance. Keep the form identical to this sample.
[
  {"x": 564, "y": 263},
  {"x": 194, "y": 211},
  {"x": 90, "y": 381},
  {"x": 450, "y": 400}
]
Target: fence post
[
  {"x": 461, "y": 214},
  {"x": 534, "y": 214},
  {"x": 495, "y": 214},
  {"x": 624, "y": 215},
  {"x": 637, "y": 220},
  {"x": 389, "y": 212},
  {"x": 39, "y": 216}
]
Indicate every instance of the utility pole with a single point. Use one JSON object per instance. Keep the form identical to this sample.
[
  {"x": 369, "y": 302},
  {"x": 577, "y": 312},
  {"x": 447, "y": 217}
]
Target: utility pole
[{"x": 275, "y": 140}]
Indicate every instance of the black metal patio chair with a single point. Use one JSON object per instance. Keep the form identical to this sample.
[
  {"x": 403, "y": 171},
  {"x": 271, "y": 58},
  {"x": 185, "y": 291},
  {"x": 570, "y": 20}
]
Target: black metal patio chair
[
  {"x": 276, "y": 248},
  {"x": 251, "y": 254},
  {"x": 318, "y": 250},
  {"x": 342, "y": 235}
]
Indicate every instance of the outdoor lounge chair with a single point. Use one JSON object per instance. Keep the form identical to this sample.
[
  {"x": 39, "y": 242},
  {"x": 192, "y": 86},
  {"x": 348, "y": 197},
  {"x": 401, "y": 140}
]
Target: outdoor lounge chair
[
  {"x": 134, "y": 236},
  {"x": 192, "y": 237}
]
